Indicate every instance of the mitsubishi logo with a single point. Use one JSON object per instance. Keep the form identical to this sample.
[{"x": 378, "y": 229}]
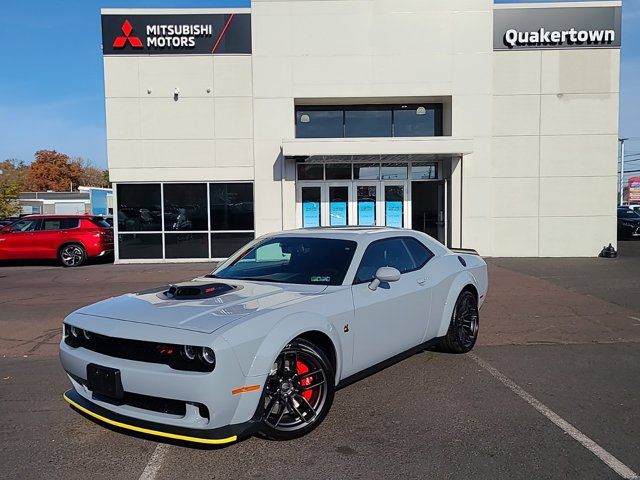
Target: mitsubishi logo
[{"x": 120, "y": 42}]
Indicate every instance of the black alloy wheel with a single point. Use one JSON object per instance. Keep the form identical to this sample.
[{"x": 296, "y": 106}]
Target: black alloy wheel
[
  {"x": 463, "y": 329},
  {"x": 72, "y": 255},
  {"x": 298, "y": 392}
]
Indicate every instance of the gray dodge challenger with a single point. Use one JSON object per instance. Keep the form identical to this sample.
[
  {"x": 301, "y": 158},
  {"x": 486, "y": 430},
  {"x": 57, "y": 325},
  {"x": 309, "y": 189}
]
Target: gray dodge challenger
[{"x": 260, "y": 345}]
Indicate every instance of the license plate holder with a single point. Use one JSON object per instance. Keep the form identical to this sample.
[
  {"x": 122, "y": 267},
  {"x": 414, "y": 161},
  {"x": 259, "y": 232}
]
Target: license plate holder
[{"x": 105, "y": 381}]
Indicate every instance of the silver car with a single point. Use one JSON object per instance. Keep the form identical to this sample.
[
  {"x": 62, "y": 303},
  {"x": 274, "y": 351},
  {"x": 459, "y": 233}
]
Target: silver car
[{"x": 261, "y": 343}]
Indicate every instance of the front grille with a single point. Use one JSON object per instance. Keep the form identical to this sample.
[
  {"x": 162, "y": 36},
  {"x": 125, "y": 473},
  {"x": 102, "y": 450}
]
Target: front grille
[{"x": 137, "y": 350}]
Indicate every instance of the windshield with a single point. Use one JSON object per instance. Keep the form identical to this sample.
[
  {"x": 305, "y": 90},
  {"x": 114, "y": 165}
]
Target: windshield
[{"x": 300, "y": 260}]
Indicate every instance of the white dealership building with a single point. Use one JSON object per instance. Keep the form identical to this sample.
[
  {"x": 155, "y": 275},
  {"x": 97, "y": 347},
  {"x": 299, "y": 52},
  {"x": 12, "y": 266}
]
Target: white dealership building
[{"x": 493, "y": 127}]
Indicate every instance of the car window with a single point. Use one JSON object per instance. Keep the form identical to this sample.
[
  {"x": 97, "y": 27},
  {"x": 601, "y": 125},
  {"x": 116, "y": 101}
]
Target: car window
[
  {"x": 299, "y": 260},
  {"x": 420, "y": 254},
  {"x": 51, "y": 224},
  {"x": 25, "y": 225},
  {"x": 390, "y": 252},
  {"x": 628, "y": 214},
  {"x": 70, "y": 223},
  {"x": 100, "y": 222}
]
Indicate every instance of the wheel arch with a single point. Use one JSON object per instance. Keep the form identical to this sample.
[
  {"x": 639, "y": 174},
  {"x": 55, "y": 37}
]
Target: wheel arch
[
  {"x": 309, "y": 326},
  {"x": 464, "y": 281},
  {"x": 66, "y": 243}
]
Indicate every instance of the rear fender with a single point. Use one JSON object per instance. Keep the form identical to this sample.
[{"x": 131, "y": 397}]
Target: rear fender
[{"x": 462, "y": 279}]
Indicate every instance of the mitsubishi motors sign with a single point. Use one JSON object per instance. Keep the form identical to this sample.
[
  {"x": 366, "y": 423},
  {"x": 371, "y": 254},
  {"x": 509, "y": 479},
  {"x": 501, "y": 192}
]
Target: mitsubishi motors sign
[{"x": 183, "y": 34}]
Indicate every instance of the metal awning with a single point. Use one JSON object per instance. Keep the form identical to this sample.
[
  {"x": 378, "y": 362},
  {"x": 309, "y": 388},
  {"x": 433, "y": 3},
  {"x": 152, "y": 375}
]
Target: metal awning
[{"x": 377, "y": 149}]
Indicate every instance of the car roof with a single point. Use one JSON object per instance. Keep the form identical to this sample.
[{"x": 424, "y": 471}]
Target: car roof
[
  {"x": 362, "y": 235},
  {"x": 59, "y": 215}
]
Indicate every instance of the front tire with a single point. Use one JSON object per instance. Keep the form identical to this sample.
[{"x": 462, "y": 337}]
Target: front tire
[
  {"x": 463, "y": 329},
  {"x": 298, "y": 392},
  {"x": 72, "y": 255}
]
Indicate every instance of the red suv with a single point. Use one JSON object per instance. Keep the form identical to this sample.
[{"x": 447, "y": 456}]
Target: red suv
[{"x": 70, "y": 238}]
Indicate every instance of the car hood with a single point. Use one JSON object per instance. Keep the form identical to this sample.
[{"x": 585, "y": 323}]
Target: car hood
[{"x": 204, "y": 315}]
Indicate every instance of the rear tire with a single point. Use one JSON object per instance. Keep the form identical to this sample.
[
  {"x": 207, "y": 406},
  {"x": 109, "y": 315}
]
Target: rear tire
[
  {"x": 72, "y": 255},
  {"x": 298, "y": 392},
  {"x": 463, "y": 329}
]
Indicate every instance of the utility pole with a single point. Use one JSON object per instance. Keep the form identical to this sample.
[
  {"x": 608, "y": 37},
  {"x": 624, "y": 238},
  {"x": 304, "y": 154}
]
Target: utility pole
[{"x": 622, "y": 140}]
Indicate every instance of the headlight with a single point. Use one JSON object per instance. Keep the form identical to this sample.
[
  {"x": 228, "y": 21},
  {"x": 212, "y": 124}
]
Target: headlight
[
  {"x": 75, "y": 331},
  {"x": 207, "y": 356},
  {"x": 189, "y": 352},
  {"x": 87, "y": 335}
]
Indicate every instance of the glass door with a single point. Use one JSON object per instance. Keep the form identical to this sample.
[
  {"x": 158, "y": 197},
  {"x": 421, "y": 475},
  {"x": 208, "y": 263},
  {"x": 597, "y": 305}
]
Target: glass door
[
  {"x": 339, "y": 199},
  {"x": 366, "y": 203},
  {"x": 310, "y": 205},
  {"x": 394, "y": 204},
  {"x": 428, "y": 212}
]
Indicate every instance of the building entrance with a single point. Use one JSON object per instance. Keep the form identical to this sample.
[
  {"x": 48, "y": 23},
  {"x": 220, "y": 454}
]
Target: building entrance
[{"x": 402, "y": 195}]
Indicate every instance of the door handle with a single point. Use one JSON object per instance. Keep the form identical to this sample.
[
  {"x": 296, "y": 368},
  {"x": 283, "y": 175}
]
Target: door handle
[{"x": 422, "y": 281}]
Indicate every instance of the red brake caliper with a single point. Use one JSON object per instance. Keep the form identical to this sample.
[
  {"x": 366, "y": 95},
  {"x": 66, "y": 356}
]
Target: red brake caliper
[{"x": 302, "y": 368}]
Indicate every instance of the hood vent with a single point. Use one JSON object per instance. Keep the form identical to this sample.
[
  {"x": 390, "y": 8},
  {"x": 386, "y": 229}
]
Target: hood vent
[{"x": 195, "y": 291}]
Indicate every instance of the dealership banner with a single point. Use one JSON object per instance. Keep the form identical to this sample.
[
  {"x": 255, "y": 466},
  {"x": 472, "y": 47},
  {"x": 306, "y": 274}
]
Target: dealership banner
[
  {"x": 634, "y": 190},
  {"x": 178, "y": 34},
  {"x": 552, "y": 28}
]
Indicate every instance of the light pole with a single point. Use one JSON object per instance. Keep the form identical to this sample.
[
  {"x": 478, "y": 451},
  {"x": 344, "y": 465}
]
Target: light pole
[{"x": 622, "y": 140}]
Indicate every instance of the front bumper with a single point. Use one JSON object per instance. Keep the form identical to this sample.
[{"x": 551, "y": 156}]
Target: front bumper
[{"x": 215, "y": 436}]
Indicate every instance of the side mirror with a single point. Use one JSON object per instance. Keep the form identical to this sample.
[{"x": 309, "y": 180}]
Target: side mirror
[
  {"x": 6, "y": 229},
  {"x": 385, "y": 275}
]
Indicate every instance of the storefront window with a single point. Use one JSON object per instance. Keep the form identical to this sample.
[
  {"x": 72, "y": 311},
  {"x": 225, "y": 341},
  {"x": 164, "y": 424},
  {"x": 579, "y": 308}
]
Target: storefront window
[
  {"x": 223, "y": 245},
  {"x": 310, "y": 171},
  {"x": 231, "y": 206},
  {"x": 139, "y": 208},
  {"x": 139, "y": 245},
  {"x": 187, "y": 216},
  {"x": 394, "y": 171},
  {"x": 185, "y": 206},
  {"x": 366, "y": 171},
  {"x": 415, "y": 121},
  {"x": 424, "y": 171},
  {"x": 362, "y": 121},
  {"x": 186, "y": 245},
  {"x": 319, "y": 124},
  {"x": 367, "y": 122},
  {"x": 338, "y": 171}
]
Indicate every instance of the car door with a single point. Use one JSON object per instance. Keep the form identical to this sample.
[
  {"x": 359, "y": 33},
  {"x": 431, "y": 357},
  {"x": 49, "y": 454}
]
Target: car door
[
  {"x": 19, "y": 242},
  {"x": 394, "y": 317},
  {"x": 49, "y": 236}
]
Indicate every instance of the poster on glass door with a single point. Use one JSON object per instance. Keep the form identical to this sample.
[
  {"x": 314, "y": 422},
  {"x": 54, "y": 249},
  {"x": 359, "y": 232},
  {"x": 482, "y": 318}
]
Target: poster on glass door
[
  {"x": 310, "y": 214},
  {"x": 366, "y": 213},
  {"x": 393, "y": 213},
  {"x": 338, "y": 213}
]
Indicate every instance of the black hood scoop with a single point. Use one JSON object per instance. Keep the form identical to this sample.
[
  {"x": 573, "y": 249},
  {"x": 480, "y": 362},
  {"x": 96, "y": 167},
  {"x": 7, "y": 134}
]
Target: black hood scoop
[{"x": 195, "y": 291}]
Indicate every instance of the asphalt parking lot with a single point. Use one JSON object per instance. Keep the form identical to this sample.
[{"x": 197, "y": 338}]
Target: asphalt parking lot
[{"x": 566, "y": 332}]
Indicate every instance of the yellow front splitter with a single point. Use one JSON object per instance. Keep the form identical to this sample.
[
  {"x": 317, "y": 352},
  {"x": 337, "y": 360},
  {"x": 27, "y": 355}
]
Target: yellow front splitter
[{"x": 148, "y": 431}]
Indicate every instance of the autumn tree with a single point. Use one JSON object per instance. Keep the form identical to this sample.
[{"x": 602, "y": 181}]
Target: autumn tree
[
  {"x": 53, "y": 171},
  {"x": 91, "y": 175},
  {"x": 12, "y": 182}
]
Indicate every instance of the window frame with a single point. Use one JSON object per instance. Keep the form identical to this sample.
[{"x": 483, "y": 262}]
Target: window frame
[
  {"x": 438, "y": 109},
  {"x": 402, "y": 238},
  {"x": 162, "y": 231}
]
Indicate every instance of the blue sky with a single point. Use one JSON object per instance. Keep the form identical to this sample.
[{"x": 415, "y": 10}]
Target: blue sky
[{"x": 51, "y": 86}]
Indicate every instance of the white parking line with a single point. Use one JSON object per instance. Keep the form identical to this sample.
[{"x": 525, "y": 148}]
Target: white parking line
[
  {"x": 611, "y": 461},
  {"x": 155, "y": 462}
]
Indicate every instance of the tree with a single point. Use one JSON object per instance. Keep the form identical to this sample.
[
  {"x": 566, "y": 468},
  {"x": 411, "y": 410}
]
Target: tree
[
  {"x": 54, "y": 171},
  {"x": 12, "y": 181},
  {"x": 92, "y": 176}
]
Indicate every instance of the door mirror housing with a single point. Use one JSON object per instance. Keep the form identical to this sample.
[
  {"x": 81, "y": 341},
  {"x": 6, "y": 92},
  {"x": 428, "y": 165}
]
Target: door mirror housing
[
  {"x": 6, "y": 229},
  {"x": 385, "y": 275}
]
